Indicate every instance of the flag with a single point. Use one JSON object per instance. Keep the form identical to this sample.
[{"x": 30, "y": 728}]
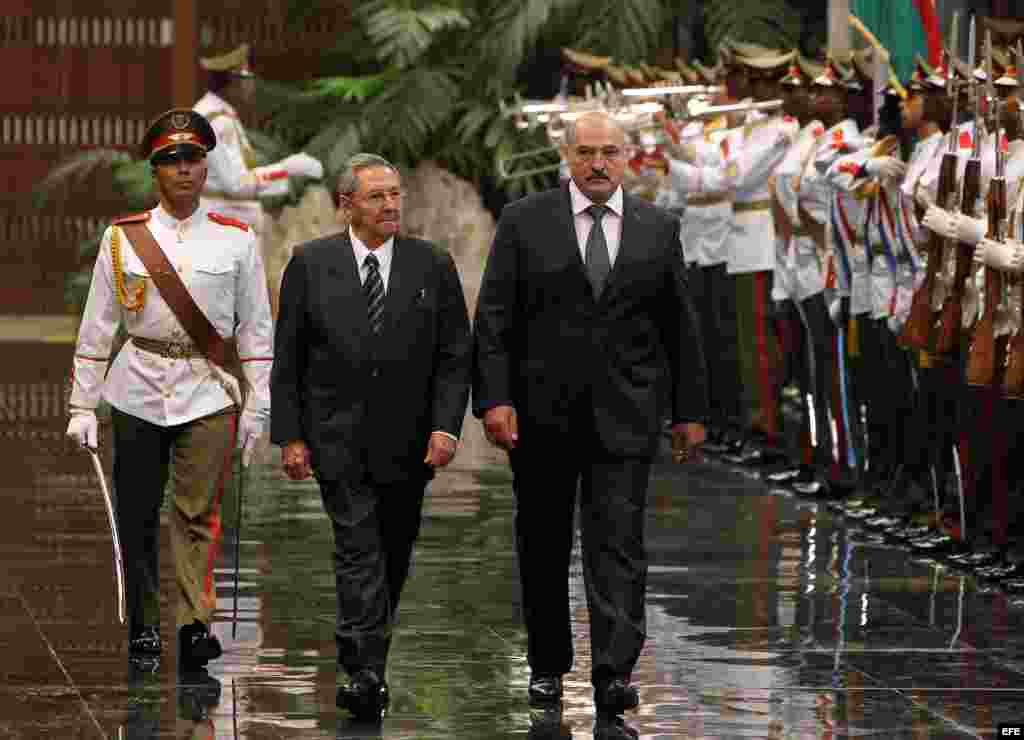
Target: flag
[{"x": 905, "y": 27}]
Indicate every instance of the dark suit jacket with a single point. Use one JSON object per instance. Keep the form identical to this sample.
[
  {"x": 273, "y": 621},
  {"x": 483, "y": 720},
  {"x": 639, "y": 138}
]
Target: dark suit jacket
[
  {"x": 544, "y": 345},
  {"x": 363, "y": 405}
]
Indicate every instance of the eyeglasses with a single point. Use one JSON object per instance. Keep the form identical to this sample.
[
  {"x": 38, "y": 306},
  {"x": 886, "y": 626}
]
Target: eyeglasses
[
  {"x": 608, "y": 153},
  {"x": 380, "y": 197}
]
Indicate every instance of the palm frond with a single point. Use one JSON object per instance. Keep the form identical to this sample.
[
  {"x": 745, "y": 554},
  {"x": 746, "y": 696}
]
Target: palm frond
[
  {"x": 627, "y": 30},
  {"x": 400, "y": 33},
  {"x": 348, "y": 143},
  {"x": 401, "y": 120},
  {"x": 772, "y": 23},
  {"x": 75, "y": 170},
  {"x": 511, "y": 29},
  {"x": 350, "y": 89},
  {"x": 268, "y": 147}
]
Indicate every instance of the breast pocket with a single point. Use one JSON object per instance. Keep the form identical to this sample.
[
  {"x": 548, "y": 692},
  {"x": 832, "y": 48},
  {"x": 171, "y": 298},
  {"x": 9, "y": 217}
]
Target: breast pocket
[{"x": 212, "y": 284}]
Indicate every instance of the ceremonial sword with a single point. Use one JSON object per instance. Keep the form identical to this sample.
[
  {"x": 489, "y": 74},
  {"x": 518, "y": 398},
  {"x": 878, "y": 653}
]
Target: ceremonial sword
[
  {"x": 118, "y": 557},
  {"x": 239, "y": 493}
]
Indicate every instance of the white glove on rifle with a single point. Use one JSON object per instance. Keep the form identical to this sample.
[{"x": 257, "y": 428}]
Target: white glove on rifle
[
  {"x": 1005, "y": 256},
  {"x": 84, "y": 428},
  {"x": 955, "y": 225},
  {"x": 250, "y": 429},
  {"x": 302, "y": 165},
  {"x": 886, "y": 168}
]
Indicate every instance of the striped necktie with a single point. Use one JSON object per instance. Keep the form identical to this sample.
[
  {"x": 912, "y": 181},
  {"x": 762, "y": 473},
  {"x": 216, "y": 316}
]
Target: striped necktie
[{"x": 373, "y": 289}]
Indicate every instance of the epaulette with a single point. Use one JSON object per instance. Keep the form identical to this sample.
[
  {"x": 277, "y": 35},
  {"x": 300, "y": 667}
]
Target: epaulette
[
  {"x": 228, "y": 221},
  {"x": 135, "y": 218}
]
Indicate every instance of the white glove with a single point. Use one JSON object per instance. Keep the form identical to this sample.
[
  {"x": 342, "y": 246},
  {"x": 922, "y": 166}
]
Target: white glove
[
  {"x": 886, "y": 168},
  {"x": 1005, "y": 256},
  {"x": 250, "y": 429},
  {"x": 970, "y": 230},
  {"x": 940, "y": 221},
  {"x": 302, "y": 165},
  {"x": 84, "y": 428}
]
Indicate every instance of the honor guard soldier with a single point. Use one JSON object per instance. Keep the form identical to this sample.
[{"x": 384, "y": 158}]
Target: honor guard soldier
[
  {"x": 799, "y": 282},
  {"x": 697, "y": 164},
  {"x": 235, "y": 184},
  {"x": 760, "y": 145},
  {"x": 182, "y": 280}
]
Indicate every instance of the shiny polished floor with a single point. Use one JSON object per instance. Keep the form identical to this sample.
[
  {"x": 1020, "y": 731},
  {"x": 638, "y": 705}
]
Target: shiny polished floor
[{"x": 768, "y": 616}]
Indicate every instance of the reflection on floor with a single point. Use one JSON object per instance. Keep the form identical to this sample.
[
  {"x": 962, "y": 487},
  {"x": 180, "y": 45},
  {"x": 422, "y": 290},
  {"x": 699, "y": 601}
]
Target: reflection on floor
[{"x": 767, "y": 615}]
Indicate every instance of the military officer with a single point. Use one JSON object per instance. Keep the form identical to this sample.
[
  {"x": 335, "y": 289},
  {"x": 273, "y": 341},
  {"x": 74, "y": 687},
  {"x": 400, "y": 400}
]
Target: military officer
[
  {"x": 751, "y": 253},
  {"x": 174, "y": 410},
  {"x": 799, "y": 281},
  {"x": 703, "y": 231},
  {"x": 235, "y": 183}
]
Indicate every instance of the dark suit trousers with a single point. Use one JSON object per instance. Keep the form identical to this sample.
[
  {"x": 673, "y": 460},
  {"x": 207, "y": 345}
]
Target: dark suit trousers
[
  {"x": 714, "y": 296},
  {"x": 375, "y": 528},
  {"x": 612, "y": 504}
]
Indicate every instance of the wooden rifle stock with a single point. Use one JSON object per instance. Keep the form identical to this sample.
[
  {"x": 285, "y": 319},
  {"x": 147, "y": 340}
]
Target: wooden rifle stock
[
  {"x": 951, "y": 316},
  {"x": 917, "y": 331},
  {"x": 1013, "y": 378},
  {"x": 986, "y": 355}
]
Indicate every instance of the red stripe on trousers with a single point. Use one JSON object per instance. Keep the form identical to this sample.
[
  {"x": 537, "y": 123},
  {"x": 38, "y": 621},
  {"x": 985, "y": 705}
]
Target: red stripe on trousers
[{"x": 216, "y": 527}]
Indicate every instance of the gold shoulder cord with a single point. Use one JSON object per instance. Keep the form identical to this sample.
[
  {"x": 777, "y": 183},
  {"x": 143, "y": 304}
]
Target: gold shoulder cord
[{"x": 137, "y": 301}]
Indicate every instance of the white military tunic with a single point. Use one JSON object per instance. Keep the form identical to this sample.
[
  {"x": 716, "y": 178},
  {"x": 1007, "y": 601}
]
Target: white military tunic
[
  {"x": 749, "y": 155},
  {"x": 798, "y": 265},
  {"x": 708, "y": 216},
  {"x": 222, "y": 270},
  {"x": 233, "y": 184},
  {"x": 759, "y": 147}
]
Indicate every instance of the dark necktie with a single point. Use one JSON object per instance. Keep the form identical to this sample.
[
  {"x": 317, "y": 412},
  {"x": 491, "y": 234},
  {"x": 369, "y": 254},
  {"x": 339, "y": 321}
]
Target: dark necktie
[
  {"x": 373, "y": 288},
  {"x": 597, "y": 261}
]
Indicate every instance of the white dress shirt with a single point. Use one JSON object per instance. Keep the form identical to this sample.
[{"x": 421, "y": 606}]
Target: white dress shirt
[
  {"x": 221, "y": 267},
  {"x": 384, "y": 254},
  {"x": 611, "y": 222}
]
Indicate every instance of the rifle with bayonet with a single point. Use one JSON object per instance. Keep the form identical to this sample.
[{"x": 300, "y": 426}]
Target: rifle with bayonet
[
  {"x": 986, "y": 356},
  {"x": 917, "y": 331},
  {"x": 959, "y": 256},
  {"x": 1013, "y": 375}
]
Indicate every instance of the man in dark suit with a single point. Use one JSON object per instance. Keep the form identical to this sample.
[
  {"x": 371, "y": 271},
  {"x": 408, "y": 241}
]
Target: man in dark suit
[
  {"x": 368, "y": 391},
  {"x": 583, "y": 304}
]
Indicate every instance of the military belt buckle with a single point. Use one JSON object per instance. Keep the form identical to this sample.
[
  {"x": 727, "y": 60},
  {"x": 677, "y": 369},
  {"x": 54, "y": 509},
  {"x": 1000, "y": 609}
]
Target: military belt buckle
[{"x": 178, "y": 350}]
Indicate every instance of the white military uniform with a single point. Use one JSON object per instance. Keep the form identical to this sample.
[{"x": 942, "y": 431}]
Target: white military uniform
[
  {"x": 798, "y": 265},
  {"x": 234, "y": 183},
  {"x": 755, "y": 152},
  {"x": 845, "y": 212},
  {"x": 748, "y": 157},
  {"x": 708, "y": 217},
  {"x": 223, "y": 271}
]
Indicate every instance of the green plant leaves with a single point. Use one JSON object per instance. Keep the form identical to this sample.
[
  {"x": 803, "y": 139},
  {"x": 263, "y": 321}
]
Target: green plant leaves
[{"x": 402, "y": 31}]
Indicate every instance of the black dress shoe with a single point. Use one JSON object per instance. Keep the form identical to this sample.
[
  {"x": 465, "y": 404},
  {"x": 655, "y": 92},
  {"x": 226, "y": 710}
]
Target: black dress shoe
[
  {"x": 613, "y": 728},
  {"x": 615, "y": 697},
  {"x": 145, "y": 642},
  {"x": 365, "y": 695},
  {"x": 198, "y": 693},
  {"x": 196, "y": 647},
  {"x": 545, "y": 689}
]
